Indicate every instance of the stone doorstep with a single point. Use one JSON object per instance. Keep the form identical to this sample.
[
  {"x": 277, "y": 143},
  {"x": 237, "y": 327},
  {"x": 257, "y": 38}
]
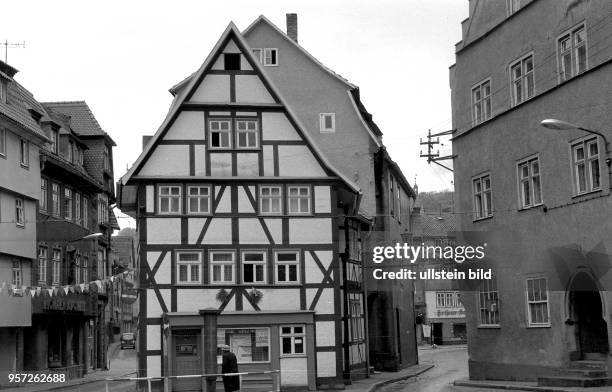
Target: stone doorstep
[{"x": 574, "y": 381}]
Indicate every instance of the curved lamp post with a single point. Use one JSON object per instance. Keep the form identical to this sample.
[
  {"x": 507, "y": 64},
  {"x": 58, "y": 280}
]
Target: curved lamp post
[{"x": 560, "y": 125}]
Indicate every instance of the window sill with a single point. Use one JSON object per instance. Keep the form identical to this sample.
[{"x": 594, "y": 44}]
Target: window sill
[
  {"x": 579, "y": 195},
  {"x": 534, "y": 207},
  {"x": 2, "y": 155},
  {"x": 489, "y": 326},
  {"x": 482, "y": 219},
  {"x": 536, "y": 326},
  {"x": 27, "y": 167},
  {"x": 294, "y": 355},
  {"x": 20, "y": 226},
  {"x": 327, "y": 131}
]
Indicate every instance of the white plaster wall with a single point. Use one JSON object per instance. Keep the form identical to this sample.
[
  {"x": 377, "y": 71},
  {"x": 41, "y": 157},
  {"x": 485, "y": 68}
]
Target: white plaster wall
[
  {"x": 214, "y": 88},
  {"x": 194, "y": 227},
  {"x": 200, "y": 160},
  {"x": 276, "y": 126},
  {"x": 219, "y": 232},
  {"x": 221, "y": 164},
  {"x": 164, "y": 230},
  {"x": 251, "y": 232},
  {"x": 275, "y": 227},
  {"x": 325, "y": 305},
  {"x": 150, "y": 195},
  {"x": 322, "y": 199},
  {"x": 248, "y": 164},
  {"x": 167, "y": 160},
  {"x": 154, "y": 366},
  {"x": 310, "y": 231},
  {"x": 268, "y": 160},
  {"x": 250, "y": 89},
  {"x": 294, "y": 371},
  {"x": 231, "y": 47},
  {"x": 244, "y": 204},
  {"x": 326, "y": 364},
  {"x": 163, "y": 274},
  {"x": 153, "y": 337},
  {"x": 280, "y": 299},
  {"x": 297, "y": 161},
  {"x": 154, "y": 308},
  {"x": 225, "y": 204},
  {"x": 326, "y": 333},
  {"x": 188, "y": 125},
  {"x": 313, "y": 272},
  {"x": 192, "y": 300}
]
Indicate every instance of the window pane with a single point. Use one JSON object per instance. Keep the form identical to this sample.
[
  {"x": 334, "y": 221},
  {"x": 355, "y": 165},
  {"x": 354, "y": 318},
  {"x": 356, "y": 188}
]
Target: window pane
[
  {"x": 595, "y": 173},
  {"x": 227, "y": 273},
  {"x": 182, "y": 273},
  {"x": 281, "y": 274},
  {"x": 216, "y": 273},
  {"x": 248, "y": 273},
  {"x": 253, "y": 257},
  {"x": 287, "y": 257},
  {"x": 286, "y": 343}
]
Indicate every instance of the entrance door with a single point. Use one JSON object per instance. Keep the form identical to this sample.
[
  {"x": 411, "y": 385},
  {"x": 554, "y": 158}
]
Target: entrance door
[
  {"x": 436, "y": 333},
  {"x": 586, "y": 310},
  {"x": 187, "y": 359}
]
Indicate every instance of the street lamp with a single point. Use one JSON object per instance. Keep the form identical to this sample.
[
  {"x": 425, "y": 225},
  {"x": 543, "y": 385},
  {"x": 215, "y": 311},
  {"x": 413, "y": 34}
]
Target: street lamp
[
  {"x": 560, "y": 125},
  {"x": 87, "y": 237}
]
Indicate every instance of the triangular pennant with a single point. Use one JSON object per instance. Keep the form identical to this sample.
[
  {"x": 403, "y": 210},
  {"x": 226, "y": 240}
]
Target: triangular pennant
[
  {"x": 50, "y": 291},
  {"x": 66, "y": 288},
  {"x": 73, "y": 289},
  {"x": 33, "y": 293}
]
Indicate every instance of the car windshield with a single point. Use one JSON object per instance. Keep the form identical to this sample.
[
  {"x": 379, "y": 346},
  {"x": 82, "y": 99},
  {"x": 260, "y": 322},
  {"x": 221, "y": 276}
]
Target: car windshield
[{"x": 129, "y": 335}]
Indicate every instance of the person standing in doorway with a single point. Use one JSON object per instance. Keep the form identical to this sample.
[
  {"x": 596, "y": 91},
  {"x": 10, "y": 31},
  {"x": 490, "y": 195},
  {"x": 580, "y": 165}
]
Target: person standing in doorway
[{"x": 229, "y": 365}]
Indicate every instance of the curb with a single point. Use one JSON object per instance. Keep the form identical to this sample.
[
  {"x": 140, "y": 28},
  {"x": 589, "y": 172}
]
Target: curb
[
  {"x": 379, "y": 384},
  {"x": 510, "y": 387}
]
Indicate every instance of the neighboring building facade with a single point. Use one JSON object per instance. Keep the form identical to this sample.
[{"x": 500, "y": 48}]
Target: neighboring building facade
[
  {"x": 20, "y": 140},
  {"x": 541, "y": 198},
  {"x": 238, "y": 210},
  {"x": 125, "y": 289},
  {"x": 438, "y": 301},
  {"x": 330, "y": 110}
]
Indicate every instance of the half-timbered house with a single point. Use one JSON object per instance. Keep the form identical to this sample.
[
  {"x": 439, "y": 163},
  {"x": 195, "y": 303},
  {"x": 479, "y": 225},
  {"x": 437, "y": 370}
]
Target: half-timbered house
[{"x": 238, "y": 210}]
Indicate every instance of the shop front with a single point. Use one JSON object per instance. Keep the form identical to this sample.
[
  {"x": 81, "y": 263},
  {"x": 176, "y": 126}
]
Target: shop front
[
  {"x": 60, "y": 339},
  {"x": 261, "y": 341}
]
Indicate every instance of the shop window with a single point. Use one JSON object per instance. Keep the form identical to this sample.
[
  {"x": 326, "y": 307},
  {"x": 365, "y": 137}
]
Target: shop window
[{"x": 250, "y": 345}]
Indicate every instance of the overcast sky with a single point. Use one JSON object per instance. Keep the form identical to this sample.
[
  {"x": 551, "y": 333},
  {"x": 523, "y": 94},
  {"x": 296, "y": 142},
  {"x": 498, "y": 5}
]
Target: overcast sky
[{"x": 123, "y": 56}]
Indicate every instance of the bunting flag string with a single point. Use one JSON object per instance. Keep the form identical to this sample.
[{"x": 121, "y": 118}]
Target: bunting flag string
[{"x": 34, "y": 291}]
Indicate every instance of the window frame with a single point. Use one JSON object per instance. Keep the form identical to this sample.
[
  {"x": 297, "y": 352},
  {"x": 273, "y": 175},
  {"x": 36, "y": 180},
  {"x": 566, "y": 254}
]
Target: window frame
[
  {"x": 189, "y": 264},
  {"x": 528, "y": 302},
  {"x": 585, "y": 142},
  {"x": 179, "y": 197},
  {"x": 258, "y": 57},
  {"x": 54, "y": 145},
  {"x": 481, "y": 103},
  {"x": 529, "y": 162},
  {"x": 237, "y": 133},
  {"x": 20, "y": 218},
  {"x": 42, "y": 272},
  {"x": 263, "y": 263},
  {"x": 56, "y": 203},
  {"x": 24, "y": 153},
  {"x": 322, "y": 127},
  {"x": 44, "y": 194},
  {"x": 286, "y": 263},
  {"x": 3, "y": 142},
  {"x": 68, "y": 203},
  {"x": 292, "y": 336},
  {"x": 229, "y": 131},
  {"x": 523, "y": 79},
  {"x": 299, "y": 197},
  {"x": 56, "y": 266},
  {"x": 478, "y": 208},
  {"x": 17, "y": 272},
  {"x": 570, "y": 35},
  {"x": 492, "y": 293},
  {"x": 198, "y": 197},
  {"x": 265, "y": 57},
  {"x": 212, "y": 263},
  {"x": 260, "y": 199}
]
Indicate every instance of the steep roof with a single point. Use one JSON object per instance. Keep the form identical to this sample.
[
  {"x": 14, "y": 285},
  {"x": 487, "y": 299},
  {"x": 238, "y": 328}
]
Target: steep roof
[
  {"x": 82, "y": 119},
  {"x": 232, "y": 30},
  {"x": 21, "y": 106},
  {"x": 433, "y": 225}
]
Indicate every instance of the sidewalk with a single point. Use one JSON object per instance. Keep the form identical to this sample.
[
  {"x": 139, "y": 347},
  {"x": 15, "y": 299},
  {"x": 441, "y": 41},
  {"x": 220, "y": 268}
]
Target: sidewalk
[
  {"x": 379, "y": 379},
  {"x": 91, "y": 377},
  {"x": 524, "y": 386}
]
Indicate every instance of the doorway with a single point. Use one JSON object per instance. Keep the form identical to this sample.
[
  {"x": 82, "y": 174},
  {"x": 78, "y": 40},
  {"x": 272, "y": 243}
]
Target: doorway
[
  {"x": 586, "y": 312},
  {"x": 436, "y": 333},
  {"x": 187, "y": 359}
]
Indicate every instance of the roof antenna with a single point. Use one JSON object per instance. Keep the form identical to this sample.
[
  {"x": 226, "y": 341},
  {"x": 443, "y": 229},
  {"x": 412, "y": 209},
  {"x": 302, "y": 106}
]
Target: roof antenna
[{"x": 7, "y": 45}]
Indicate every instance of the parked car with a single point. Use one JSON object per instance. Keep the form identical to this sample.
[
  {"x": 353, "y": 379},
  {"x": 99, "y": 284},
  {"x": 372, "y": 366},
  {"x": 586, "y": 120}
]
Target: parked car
[{"x": 128, "y": 340}]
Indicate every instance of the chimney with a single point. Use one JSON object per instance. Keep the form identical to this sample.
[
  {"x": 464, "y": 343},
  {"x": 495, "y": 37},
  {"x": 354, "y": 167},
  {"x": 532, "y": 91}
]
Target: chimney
[
  {"x": 145, "y": 141},
  {"x": 292, "y": 26}
]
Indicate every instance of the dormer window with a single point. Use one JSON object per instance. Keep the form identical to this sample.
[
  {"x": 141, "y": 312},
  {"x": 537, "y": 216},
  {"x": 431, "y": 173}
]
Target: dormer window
[
  {"x": 232, "y": 61},
  {"x": 54, "y": 141},
  {"x": 71, "y": 152}
]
